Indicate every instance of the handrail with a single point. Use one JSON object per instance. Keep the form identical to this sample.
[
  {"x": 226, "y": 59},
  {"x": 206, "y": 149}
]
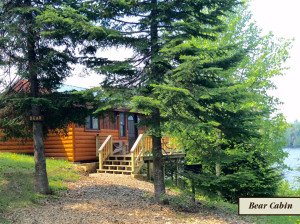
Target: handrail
[
  {"x": 105, "y": 150},
  {"x": 141, "y": 145},
  {"x": 137, "y": 141}
]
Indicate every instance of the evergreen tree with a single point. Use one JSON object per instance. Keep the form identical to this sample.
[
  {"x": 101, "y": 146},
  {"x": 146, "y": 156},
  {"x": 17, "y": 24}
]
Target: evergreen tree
[
  {"x": 149, "y": 26},
  {"x": 231, "y": 126},
  {"x": 39, "y": 42}
]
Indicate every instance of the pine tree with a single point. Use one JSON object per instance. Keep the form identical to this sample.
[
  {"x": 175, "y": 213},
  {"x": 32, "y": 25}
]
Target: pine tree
[
  {"x": 230, "y": 120},
  {"x": 39, "y": 41},
  {"x": 149, "y": 26}
]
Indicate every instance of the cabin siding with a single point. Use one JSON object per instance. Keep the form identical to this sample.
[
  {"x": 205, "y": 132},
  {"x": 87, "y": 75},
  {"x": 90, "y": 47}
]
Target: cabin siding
[
  {"x": 60, "y": 146},
  {"x": 57, "y": 146},
  {"x": 79, "y": 144},
  {"x": 15, "y": 145},
  {"x": 85, "y": 142}
]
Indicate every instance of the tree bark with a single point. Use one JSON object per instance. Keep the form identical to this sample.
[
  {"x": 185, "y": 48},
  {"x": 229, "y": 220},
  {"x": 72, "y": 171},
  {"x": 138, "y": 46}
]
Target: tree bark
[
  {"x": 158, "y": 163},
  {"x": 41, "y": 178}
]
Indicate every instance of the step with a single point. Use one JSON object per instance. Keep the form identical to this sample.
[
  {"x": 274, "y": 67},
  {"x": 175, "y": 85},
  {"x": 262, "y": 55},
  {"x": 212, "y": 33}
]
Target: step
[
  {"x": 115, "y": 167},
  {"x": 117, "y": 162},
  {"x": 114, "y": 172},
  {"x": 120, "y": 158}
]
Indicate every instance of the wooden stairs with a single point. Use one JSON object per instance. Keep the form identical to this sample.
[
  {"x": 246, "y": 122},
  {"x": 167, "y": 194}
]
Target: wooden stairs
[
  {"x": 117, "y": 164},
  {"x": 129, "y": 164}
]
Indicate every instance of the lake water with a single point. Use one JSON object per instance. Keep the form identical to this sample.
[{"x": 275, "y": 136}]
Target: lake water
[{"x": 293, "y": 161}]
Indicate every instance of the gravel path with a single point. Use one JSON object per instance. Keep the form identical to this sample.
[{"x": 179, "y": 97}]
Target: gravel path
[{"x": 106, "y": 198}]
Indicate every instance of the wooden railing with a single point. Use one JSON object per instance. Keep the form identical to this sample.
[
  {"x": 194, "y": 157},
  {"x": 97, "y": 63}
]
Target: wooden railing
[
  {"x": 142, "y": 145},
  {"x": 105, "y": 150}
]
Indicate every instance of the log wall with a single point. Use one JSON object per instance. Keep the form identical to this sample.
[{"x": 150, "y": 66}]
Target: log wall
[
  {"x": 58, "y": 146},
  {"x": 85, "y": 142},
  {"x": 78, "y": 145}
]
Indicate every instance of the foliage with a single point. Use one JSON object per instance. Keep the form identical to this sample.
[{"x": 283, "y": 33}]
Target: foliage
[
  {"x": 40, "y": 43},
  {"x": 56, "y": 107},
  {"x": 183, "y": 202},
  {"x": 226, "y": 208},
  {"x": 285, "y": 189},
  {"x": 227, "y": 119},
  {"x": 148, "y": 27},
  {"x": 293, "y": 135},
  {"x": 155, "y": 25},
  {"x": 17, "y": 175}
]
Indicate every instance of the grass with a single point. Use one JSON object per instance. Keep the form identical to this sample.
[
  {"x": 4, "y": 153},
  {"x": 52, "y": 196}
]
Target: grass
[
  {"x": 232, "y": 209},
  {"x": 17, "y": 177}
]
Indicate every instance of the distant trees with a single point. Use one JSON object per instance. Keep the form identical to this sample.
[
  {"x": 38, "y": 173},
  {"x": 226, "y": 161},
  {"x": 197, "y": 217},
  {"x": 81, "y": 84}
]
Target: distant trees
[{"x": 293, "y": 135}]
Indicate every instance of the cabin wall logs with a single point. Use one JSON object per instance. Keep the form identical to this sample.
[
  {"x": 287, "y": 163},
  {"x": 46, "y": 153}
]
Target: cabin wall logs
[
  {"x": 58, "y": 146},
  {"x": 78, "y": 145}
]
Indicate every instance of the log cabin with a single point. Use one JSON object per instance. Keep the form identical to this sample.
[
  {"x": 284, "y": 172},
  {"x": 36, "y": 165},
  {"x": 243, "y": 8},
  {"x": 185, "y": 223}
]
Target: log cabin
[
  {"x": 80, "y": 142},
  {"x": 115, "y": 139}
]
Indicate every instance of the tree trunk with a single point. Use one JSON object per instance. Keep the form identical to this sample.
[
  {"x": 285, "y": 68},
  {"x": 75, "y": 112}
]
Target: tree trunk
[
  {"x": 158, "y": 163},
  {"x": 41, "y": 179}
]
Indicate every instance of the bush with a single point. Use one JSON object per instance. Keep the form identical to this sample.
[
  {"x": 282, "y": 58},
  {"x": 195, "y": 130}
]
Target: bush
[{"x": 183, "y": 202}]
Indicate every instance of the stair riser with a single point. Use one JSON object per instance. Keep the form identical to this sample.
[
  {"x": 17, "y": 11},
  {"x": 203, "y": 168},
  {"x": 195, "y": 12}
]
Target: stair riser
[
  {"x": 119, "y": 158},
  {"x": 117, "y": 163},
  {"x": 115, "y": 172},
  {"x": 116, "y": 168}
]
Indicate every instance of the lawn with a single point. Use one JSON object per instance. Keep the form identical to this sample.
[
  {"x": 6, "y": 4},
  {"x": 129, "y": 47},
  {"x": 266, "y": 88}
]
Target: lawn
[{"x": 17, "y": 176}]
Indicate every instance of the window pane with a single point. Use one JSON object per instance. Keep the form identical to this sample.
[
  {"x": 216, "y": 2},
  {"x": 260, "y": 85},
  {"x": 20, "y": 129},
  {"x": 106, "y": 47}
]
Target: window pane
[
  {"x": 88, "y": 122},
  {"x": 122, "y": 125},
  {"x": 95, "y": 123}
]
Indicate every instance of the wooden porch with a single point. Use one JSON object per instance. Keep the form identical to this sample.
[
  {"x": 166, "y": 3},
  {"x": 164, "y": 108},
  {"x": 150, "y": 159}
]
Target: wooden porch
[{"x": 115, "y": 160}]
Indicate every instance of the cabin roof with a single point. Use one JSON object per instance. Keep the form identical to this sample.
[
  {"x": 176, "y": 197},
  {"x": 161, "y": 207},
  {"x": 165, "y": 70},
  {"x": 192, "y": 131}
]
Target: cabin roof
[
  {"x": 65, "y": 87},
  {"x": 23, "y": 85}
]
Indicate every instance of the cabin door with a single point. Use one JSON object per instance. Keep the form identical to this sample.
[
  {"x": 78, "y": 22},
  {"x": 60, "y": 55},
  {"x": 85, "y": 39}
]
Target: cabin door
[{"x": 132, "y": 130}]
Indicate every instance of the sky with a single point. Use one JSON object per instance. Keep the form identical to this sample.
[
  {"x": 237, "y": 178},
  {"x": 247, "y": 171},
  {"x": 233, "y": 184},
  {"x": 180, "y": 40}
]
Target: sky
[{"x": 280, "y": 17}]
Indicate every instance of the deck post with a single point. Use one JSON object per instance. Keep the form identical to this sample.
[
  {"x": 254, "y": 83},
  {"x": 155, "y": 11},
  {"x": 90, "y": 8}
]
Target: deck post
[
  {"x": 132, "y": 163},
  {"x": 148, "y": 170},
  {"x": 100, "y": 161},
  {"x": 97, "y": 145},
  {"x": 176, "y": 172}
]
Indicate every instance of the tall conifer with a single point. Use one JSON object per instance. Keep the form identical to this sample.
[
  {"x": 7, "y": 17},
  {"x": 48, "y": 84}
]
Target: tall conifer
[
  {"x": 150, "y": 25},
  {"x": 39, "y": 41}
]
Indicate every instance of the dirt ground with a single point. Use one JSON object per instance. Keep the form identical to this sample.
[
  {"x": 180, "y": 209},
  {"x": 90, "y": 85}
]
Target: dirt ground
[{"x": 106, "y": 198}]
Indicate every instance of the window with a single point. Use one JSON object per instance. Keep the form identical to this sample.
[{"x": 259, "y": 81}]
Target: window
[
  {"x": 122, "y": 125},
  {"x": 92, "y": 123}
]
